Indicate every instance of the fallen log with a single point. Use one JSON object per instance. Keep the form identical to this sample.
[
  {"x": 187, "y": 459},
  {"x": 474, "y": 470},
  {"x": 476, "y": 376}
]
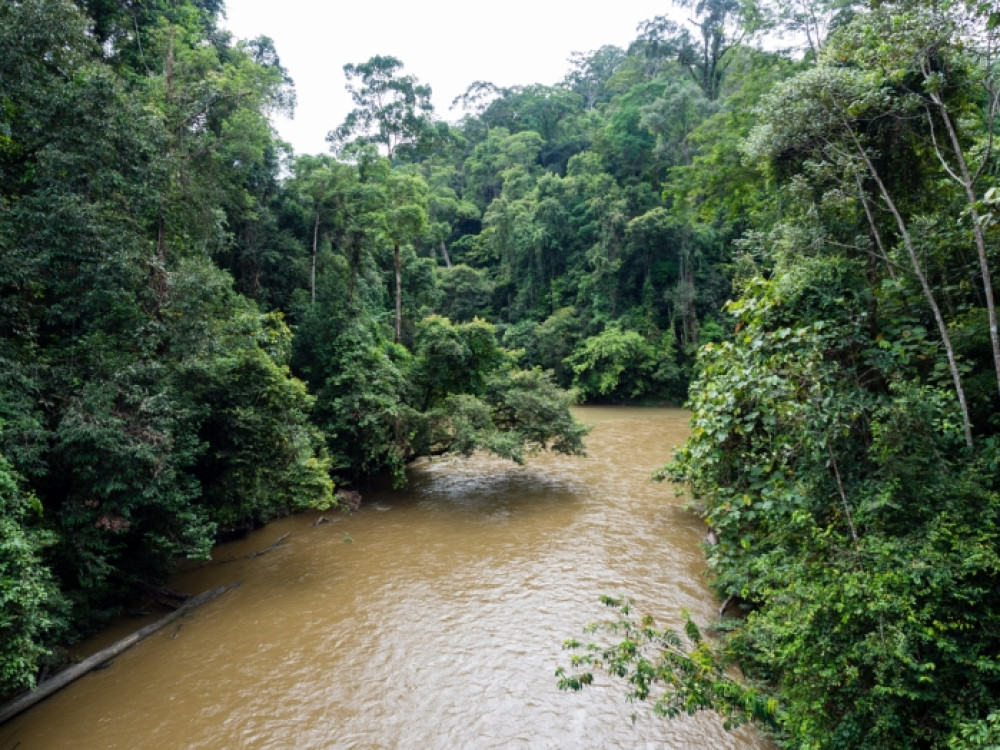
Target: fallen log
[
  {"x": 267, "y": 549},
  {"x": 250, "y": 556},
  {"x": 70, "y": 674}
]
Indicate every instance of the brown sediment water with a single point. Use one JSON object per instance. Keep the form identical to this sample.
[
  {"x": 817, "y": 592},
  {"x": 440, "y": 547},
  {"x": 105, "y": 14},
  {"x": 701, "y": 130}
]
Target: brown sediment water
[{"x": 433, "y": 618}]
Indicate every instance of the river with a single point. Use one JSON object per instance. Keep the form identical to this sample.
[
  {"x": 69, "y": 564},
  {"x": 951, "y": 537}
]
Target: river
[{"x": 431, "y": 619}]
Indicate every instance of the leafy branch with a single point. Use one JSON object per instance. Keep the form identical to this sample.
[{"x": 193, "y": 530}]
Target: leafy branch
[{"x": 680, "y": 674}]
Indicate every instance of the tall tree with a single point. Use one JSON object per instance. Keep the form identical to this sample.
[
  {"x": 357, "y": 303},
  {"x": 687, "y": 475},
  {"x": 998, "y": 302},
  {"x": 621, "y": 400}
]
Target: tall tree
[
  {"x": 392, "y": 110},
  {"x": 591, "y": 72},
  {"x": 405, "y": 219},
  {"x": 721, "y": 27},
  {"x": 321, "y": 185}
]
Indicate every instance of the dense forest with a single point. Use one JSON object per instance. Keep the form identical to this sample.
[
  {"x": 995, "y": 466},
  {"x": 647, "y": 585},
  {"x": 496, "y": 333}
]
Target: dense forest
[{"x": 783, "y": 213}]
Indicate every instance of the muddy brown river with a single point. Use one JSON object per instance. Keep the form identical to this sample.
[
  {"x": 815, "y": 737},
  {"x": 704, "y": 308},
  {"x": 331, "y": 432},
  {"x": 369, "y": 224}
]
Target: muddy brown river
[{"x": 431, "y": 619}]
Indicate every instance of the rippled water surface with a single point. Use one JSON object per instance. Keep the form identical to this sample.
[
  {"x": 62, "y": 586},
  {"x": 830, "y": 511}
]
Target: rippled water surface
[{"x": 432, "y": 618}]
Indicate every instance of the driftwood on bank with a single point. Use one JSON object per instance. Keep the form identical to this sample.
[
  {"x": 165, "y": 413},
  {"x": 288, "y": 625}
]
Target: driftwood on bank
[
  {"x": 249, "y": 556},
  {"x": 267, "y": 549},
  {"x": 62, "y": 679}
]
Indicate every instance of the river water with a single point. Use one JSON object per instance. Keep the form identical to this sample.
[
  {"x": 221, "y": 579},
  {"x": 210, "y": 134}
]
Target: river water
[{"x": 431, "y": 619}]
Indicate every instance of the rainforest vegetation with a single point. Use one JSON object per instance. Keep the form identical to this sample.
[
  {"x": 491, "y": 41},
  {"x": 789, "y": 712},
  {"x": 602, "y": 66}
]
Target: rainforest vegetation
[{"x": 784, "y": 213}]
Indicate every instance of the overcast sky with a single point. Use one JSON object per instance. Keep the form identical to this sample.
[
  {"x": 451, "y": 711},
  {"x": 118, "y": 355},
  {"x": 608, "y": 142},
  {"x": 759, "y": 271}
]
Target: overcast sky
[{"x": 447, "y": 44}]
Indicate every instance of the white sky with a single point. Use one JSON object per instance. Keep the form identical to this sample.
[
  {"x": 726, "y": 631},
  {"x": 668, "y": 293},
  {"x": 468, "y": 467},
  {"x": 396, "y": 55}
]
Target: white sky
[{"x": 446, "y": 44}]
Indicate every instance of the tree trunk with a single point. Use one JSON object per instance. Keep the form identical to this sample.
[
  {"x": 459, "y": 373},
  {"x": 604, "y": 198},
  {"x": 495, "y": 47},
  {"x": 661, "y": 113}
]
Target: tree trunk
[
  {"x": 876, "y": 235},
  {"x": 161, "y": 238},
  {"x": 315, "y": 244},
  {"x": 64, "y": 678},
  {"x": 924, "y": 285},
  {"x": 355, "y": 262},
  {"x": 397, "y": 263},
  {"x": 444, "y": 254},
  {"x": 967, "y": 181}
]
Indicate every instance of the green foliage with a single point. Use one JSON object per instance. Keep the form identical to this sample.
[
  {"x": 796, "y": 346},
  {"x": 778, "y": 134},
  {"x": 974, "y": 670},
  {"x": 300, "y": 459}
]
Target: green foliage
[
  {"x": 549, "y": 343},
  {"x": 527, "y": 406},
  {"x": 466, "y": 292},
  {"x": 499, "y": 158},
  {"x": 678, "y": 674},
  {"x": 454, "y": 358},
  {"x": 977, "y": 735},
  {"x": 31, "y": 607},
  {"x": 260, "y": 456},
  {"x": 520, "y": 413},
  {"x": 593, "y": 72},
  {"x": 381, "y": 405},
  {"x": 617, "y": 364}
]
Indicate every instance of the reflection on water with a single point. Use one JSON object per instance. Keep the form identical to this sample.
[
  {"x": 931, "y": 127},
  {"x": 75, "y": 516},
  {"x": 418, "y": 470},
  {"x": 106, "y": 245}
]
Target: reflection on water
[{"x": 432, "y": 618}]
